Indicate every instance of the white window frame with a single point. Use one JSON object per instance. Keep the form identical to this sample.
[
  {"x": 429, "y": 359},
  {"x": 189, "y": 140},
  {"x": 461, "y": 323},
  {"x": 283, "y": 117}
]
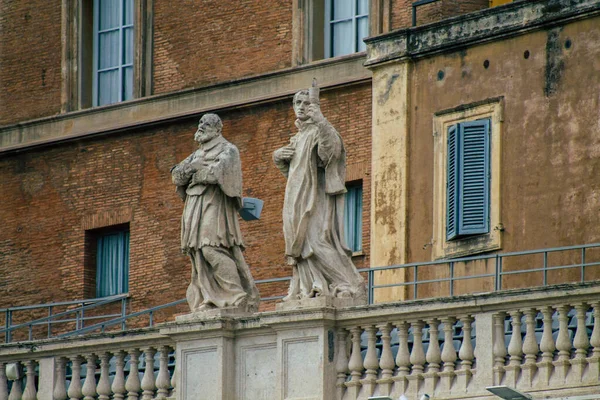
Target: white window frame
[
  {"x": 328, "y": 39},
  {"x": 121, "y": 65}
]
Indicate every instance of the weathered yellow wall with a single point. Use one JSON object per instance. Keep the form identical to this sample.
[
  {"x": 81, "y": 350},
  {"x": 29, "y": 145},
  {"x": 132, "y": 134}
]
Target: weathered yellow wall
[{"x": 550, "y": 177}]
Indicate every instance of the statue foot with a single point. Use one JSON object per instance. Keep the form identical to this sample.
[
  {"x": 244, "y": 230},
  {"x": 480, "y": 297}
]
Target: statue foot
[
  {"x": 206, "y": 307},
  {"x": 344, "y": 294}
]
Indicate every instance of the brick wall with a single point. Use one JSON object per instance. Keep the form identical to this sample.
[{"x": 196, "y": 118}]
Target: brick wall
[
  {"x": 30, "y": 70},
  {"x": 198, "y": 43},
  {"x": 51, "y": 197},
  {"x": 402, "y": 11}
]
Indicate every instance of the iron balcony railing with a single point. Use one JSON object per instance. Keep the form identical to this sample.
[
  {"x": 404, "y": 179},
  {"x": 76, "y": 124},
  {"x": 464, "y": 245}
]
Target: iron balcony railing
[
  {"x": 75, "y": 315},
  {"x": 446, "y": 267}
]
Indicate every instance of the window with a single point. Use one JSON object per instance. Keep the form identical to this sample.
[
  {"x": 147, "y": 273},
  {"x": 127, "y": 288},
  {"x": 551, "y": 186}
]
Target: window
[
  {"x": 467, "y": 203},
  {"x": 346, "y": 24},
  {"x": 107, "y": 56},
  {"x": 353, "y": 217},
  {"x": 331, "y": 28},
  {"x": 112, "y": 263},
  {"x": 468, "y": 176},
  {"x": 113, "y": 51}
]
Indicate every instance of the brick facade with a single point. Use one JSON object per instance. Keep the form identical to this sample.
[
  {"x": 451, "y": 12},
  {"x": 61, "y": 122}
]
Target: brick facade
[{"x": 51, "y": 197}]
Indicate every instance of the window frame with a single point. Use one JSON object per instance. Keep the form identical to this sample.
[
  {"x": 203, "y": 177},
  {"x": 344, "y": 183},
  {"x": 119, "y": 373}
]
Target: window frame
[
  {"x": 358, "y": 217},
  {"x": 123, "y": 284},
  {"x": 121, "y": 65},
  {"x": 329, "y": 22},
  {"x": 476, "y": 243},
  {"x": 77, "y": 53}
]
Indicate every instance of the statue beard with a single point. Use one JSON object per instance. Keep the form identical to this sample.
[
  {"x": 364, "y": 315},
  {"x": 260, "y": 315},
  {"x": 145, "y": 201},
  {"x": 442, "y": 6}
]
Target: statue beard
[{"x": 203, "y": 137}]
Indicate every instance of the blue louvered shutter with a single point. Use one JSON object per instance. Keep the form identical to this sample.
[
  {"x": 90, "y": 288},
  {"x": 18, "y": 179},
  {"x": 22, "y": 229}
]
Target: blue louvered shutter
[
  {"x": 112, "y": 264},
  {"x": 452, "y": 184},
  {"x": 353, "y": 218},
  {"x": 474, "y": 177}
]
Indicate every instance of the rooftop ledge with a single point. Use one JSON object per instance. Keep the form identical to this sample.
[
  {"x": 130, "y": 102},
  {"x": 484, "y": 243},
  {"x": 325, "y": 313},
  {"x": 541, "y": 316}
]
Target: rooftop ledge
[
  {"x": 470, "y": 29},
  {"x": 147, "y": 111}
]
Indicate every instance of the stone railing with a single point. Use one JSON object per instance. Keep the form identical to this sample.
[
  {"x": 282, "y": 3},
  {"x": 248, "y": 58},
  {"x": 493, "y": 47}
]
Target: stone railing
[
  {"x": 132, "y": 365},
  {"x": 449, "y": 348}
]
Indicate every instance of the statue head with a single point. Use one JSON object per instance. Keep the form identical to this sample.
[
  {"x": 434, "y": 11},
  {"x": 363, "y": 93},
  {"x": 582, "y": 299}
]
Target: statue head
[
  {"x": 209, "y": 127},
  {"x": 301, "y": 103}
]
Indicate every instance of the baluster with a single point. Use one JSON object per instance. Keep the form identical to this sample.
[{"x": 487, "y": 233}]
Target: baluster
[
  {"x": 417, "y": 358},
  {"x": 386, "y": 363},
  {"x": 594, "y": 360},
  {"x": 30, "y": 393},
  {"x": 75, "y": 386},
  {"x": 547, "y": 348},
  {"x": 104, "y": 382},
  {"x": 89, "y": 385},
  {"x": 402, "y": 358},
  {"x": 433, "y": 357},
  {"x": 3, "y": 382},
  {"x": 448, "y": 354},
  {"x": 132, "y": 385},
  {"x": 16, "y": 392},
  {"x": 60, "y": 380},
  {"x": 174, "y": 381},
  {"x": 118, "y": 385},
  {"x": 581, "y": 343},
  {"x": 370, "y": 364},
  {"x": 515, "y": 350},
  {"x": 162, "y": 381},
  {"x": 465, "y": 354},
  {"x": 355, "y": 365},
  {"x": 563, "y": 344},
  {"x": 499, "y": 348},
  {"x": 148, "y": 384},
  {"x": 341, "y": 363},
  {"x": 530, "y": 347}
]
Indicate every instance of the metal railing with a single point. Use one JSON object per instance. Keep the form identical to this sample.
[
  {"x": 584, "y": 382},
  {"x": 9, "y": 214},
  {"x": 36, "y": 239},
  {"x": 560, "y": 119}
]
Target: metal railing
[
  {"x": 79, "y": 313},
  {"x": 122, "y": 320},
  {"x": 414, "y": 9},
  {"x": 496, "y": 275}
]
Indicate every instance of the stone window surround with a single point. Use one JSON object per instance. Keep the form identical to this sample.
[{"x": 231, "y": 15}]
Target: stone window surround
[
  {"x": 492, "y": 109},
  {"x": 308, "y": 17},
  {"x": 76, "y": 58}
]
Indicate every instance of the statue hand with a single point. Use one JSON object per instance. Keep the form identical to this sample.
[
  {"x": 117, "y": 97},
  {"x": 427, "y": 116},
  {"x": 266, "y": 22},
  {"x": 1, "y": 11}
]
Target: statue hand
[
  {"x": 189, "y": 169},
  {"x": 314, "y": 113},
  {"x": 285, "y": 153}
]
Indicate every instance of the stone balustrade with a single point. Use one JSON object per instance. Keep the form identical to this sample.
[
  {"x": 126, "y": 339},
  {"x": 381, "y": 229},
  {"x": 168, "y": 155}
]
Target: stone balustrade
[
  {"x": 545, "y": 342},
  {"x": 133, "y": 366}
]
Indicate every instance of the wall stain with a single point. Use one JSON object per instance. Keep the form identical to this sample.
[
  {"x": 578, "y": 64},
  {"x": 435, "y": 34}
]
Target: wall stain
[
  {"x": 383, "y": 98},
  {"x": 554, "y": 62}
]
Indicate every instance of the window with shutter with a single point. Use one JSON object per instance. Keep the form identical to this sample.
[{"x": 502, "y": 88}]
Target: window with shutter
[
  {"x": 353, "y": 218},
  {"x": 112, "y": 264},
  {"x": 468, "y": 177}
]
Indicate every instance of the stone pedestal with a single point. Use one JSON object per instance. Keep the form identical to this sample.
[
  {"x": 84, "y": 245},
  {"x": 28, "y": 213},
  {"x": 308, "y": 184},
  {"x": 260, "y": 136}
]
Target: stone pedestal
[
  {"x": 320, "y": 302},
  {"x": 216, "y": 313},
  {"x": 289, "y": 354}
]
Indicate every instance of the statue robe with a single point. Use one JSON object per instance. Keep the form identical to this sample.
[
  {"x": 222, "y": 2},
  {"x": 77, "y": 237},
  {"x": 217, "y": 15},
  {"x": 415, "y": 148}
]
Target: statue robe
[
  {"x": 313, "y": 214},
  {"x": 213, "y": 195}
]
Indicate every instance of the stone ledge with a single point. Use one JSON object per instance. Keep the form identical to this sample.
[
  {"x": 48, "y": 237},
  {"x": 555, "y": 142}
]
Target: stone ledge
[
  {"x": 491, "y": 24},
  {"x": 187, "y": 103}
]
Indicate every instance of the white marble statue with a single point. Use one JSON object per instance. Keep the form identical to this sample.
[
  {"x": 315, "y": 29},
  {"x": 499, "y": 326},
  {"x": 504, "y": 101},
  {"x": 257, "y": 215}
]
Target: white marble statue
[
  {"x": 210, "y": 182},
  {"x": 314, "y": 163}
]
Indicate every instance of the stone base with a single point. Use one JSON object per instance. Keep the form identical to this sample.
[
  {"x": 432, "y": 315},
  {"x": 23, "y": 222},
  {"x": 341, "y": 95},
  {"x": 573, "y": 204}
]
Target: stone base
[
  {"x": 320, "y": 302},
  {"x": 215, "y": 313}
]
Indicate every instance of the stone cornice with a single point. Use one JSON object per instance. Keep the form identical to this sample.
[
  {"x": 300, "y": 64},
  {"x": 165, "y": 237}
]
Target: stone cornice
[
  {"x": 479, "y": 27},
  {"x": 182, "y": 104}
]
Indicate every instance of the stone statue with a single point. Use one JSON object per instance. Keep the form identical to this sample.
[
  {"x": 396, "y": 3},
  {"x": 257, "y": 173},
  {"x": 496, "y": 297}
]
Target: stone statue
[
  {"x": 210, "y": 183},
  {"x": 314, "y": 163}
]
